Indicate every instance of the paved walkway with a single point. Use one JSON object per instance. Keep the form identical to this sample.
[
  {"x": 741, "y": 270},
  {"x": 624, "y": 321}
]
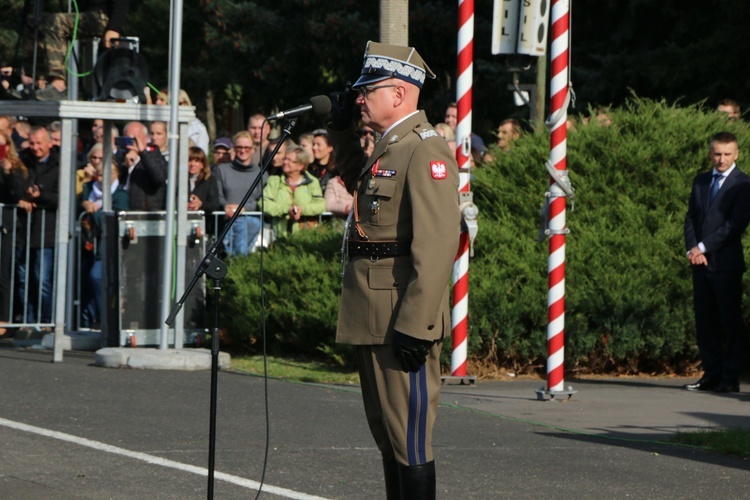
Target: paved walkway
[{"x": 74, "y": 430}]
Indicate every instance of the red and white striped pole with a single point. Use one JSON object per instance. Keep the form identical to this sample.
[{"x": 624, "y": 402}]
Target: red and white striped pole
[
  {"x": 559, "y": 99},
  {"x": 464, "y": 82}
]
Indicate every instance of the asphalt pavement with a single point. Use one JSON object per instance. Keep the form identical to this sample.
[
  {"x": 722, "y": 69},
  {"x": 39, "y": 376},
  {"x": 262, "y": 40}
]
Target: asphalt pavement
[{"x": 73, "y": 430}]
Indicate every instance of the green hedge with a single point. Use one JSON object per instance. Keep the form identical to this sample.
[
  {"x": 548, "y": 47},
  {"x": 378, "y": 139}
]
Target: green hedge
[
  {"x": 302, "y": 277},
  {"x": 628, "y": 289}
]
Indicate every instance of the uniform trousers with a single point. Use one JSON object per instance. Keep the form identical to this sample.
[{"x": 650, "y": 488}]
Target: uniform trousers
[{"x": 401, "y": 407}]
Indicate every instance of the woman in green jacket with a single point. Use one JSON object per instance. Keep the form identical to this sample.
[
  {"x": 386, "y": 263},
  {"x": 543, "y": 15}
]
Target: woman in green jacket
[{"x": 293, "y": 200}]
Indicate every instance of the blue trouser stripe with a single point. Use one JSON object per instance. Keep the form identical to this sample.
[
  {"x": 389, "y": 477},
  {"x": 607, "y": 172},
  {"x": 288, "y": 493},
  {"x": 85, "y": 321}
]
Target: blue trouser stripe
[{"x": 417, "y": 424}]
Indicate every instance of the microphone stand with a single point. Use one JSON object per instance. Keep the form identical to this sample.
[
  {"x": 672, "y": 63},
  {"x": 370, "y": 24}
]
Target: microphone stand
[
  {"x": 215, "y": 269},
  {"x": 37, "y": 21}
]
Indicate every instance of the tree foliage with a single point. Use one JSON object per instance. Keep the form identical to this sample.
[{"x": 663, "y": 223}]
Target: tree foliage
[
  {"x": 691, "y": 50},
  {"x": 263, "y": 55}
]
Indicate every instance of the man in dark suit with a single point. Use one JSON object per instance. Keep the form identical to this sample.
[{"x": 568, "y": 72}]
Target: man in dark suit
[{"x": 718, "y": 213}]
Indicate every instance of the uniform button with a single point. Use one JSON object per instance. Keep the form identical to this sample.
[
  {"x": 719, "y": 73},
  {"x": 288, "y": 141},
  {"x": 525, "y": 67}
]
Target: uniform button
[
  {"x": 431, "y": 327},
  {"x": 395, "y": 283}
]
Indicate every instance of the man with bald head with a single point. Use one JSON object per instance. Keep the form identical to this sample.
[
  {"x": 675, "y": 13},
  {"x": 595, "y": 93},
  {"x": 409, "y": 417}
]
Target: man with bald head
[
  {"x": 143, "y": 170},
  {"x": 40, "y": 201},
  {"x": 402, "y": 236}
]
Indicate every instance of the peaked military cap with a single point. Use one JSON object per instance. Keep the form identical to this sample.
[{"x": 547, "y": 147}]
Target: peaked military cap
[{"x": 383, "y": 61}]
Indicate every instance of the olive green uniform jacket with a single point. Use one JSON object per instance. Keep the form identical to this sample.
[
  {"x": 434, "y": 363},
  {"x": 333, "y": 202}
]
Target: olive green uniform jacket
[{"x": 407, "y": 191}]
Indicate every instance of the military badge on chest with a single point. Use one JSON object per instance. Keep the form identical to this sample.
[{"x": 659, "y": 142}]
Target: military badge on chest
[{"x": 376, "y": 173}]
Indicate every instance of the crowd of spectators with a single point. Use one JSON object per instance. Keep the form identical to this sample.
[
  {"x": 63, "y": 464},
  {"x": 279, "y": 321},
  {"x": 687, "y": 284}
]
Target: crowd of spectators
[{"x": 300, "y": 184}]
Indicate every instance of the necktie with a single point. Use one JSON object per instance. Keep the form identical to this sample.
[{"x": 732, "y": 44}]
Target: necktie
[{"x": 714, "y": 188}]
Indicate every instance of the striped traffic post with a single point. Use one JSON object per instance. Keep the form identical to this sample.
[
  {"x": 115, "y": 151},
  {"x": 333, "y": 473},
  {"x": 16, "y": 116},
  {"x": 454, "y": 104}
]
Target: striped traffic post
[
  {"x": 460, "y": 311},
  {"x": 559, "y": 189}
]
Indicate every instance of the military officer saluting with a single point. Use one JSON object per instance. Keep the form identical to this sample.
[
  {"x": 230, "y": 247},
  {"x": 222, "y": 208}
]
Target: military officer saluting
[{"x": 402, "y": 240}]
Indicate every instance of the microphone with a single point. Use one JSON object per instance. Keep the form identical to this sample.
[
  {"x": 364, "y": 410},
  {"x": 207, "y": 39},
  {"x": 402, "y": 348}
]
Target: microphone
[{"x": 319, "y": 104}]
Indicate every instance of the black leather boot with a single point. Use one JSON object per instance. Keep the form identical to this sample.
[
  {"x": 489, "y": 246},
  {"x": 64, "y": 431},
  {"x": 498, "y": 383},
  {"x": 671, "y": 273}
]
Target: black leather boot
[
  {"x": 392, "y": 485},
  {"x": 417, "y": 481}
]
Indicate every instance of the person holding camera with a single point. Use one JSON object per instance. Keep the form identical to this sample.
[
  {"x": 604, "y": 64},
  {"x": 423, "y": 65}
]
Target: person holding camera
[{"x": 143, "y": 170}]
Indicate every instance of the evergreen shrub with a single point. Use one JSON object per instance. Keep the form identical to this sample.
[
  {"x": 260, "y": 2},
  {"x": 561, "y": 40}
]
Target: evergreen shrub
[
  {"x": 628, "y": 294},
  {"x": 302, "y": 278},
  {"x": 628, "y": 298}
]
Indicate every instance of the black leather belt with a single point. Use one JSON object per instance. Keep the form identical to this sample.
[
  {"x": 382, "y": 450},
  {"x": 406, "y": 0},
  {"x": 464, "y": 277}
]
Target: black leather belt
[{"x": 378, "y": 248}]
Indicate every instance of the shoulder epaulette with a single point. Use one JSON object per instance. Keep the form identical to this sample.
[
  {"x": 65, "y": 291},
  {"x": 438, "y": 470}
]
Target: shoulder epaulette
[{"x": 426, "y": 133}]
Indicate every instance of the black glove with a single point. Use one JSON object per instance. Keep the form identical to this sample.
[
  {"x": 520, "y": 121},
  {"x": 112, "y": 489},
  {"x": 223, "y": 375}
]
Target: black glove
[
  {"x": 410, "y": 351},
  {"x": 342, "y": 108}
]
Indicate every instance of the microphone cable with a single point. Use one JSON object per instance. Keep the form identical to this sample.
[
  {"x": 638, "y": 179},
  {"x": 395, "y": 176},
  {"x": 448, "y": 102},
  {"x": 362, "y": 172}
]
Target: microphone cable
[{"x": 264, "y": 337}]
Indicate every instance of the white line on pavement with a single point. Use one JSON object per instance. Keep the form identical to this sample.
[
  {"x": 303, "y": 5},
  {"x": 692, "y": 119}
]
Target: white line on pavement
[{"x": 247, "y": 483}]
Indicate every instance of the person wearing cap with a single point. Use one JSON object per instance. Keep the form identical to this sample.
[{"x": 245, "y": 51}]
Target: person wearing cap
[
  {"x": 401, "y": 242},
  {"x": 223, "y": 152}
]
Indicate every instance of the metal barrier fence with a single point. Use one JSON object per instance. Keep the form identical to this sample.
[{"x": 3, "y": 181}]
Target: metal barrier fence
[
  {"x": 86, "y": 246},
  {"x": 235, "y": 242},
  {"x": 27, "y": 269},
  {"x": 26, "y": 301}
]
